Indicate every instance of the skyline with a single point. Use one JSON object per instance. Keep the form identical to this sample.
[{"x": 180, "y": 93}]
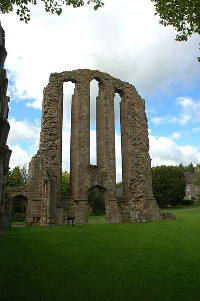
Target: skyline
[{"x": 123, "y": 39}]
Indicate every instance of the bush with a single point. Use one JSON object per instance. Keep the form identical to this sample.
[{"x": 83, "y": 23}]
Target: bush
[
  {"x": 168, "y": 185},
  {"x": 197, "y": 201},
  {"x": 18, "y": 217},
  {"x": 187, "y": 201}
]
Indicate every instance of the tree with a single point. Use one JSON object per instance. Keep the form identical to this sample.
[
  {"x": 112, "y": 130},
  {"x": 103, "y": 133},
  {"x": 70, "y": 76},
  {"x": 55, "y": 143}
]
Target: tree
[
  {"x": 52, "y": 6},
  {"x": 183, "y": 15},
  {"x": 168, "y": 185},
  {"x": 65, "y": 185},
  {"x": 96, "y": 201},
  {"x": 119, "y": 185},
  {"x": 17, "y": 177},
  {"x": 187, "y": 168},
  {"x": 196, "y": 180},
  {"x": 18, "y": 213}
]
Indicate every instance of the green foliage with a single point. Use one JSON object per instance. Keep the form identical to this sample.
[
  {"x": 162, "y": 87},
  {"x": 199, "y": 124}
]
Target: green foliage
[
  {"x": 187, "y": 201},
  {"x": 65, "y": 185},
  {"x": 17, "y": 177},
  {"x": 183, "y": 15},
  {"x": 119, "y": 185},
  {"x": 18, "y": 217},
  {"x": 197, "y": 200},
  {"x": 18, "y": 213},
  {"x": 168, "y": 185},
  {"x": 196, "y": 180},
  {"x": 187, "y": 168},
  {"x": 96, "y": 201},
  {"x": 52, "y": 6}
]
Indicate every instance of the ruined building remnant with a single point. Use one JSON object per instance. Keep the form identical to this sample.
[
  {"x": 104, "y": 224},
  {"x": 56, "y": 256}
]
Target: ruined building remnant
[
  {"x": 5, "y": 152},
  {"x": 45, "y": 205}
]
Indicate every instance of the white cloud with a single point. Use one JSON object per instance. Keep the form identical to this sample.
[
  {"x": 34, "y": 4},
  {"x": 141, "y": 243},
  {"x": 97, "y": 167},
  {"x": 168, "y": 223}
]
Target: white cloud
[
  {"x": 176, "y": 135},
  {"x": 190, "y": 112},
  {"x": 185, "y": 102},
  {"x": 190, "y": 107},
  {"x": 159, "y": 120},
  {"x": 196, "y": 129},
  {"x": 19, "y": 156},
  {"x": 123, "y": 38},
  {"x": 22, "y": 131},
  {"x": 164, "y": 151},
  {"x": 183, "y": 119},
  {"x": 115, "y": 39}
]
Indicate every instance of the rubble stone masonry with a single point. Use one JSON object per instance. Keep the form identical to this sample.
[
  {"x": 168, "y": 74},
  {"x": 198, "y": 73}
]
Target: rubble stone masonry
[{"x": 5, "y": 152}]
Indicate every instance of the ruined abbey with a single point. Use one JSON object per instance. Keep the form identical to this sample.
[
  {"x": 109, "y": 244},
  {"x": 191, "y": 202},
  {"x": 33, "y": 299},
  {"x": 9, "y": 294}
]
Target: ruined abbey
[
  {"x": 44, "y": 204},
  {"x": 42, "y": 195}
]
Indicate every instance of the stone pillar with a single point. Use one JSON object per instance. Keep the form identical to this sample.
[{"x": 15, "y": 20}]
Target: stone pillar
[
  {"x": 126, "y": 144},
  {"x": 141, "y": 146},
  {"x": 106, "y": 148},
  {"x": 106, "y": 137},
  {"x": 80, "y": 147},
  {"x": 81, "y": 212},
  {"x": 51, "y": 143}
]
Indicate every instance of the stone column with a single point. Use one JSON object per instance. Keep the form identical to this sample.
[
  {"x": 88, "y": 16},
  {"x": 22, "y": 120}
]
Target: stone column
[
  {"x": 106, "y": 137},
  {"x": 141, "y": 150},
  {"x": 106, "y": 148},
  {"x": 80, "y": 148},
  {"x": 50, "y": 150},
  {"x": 145, "y": 150},
  {"x": 126, "y": 144}
]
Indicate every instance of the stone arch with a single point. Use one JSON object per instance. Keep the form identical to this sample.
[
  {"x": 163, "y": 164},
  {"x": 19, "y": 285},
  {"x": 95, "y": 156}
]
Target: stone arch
[
  {"x": 103, "y": 192},
  {"x": 24, "y": 201},
  {"x": 11, "y": 194}
]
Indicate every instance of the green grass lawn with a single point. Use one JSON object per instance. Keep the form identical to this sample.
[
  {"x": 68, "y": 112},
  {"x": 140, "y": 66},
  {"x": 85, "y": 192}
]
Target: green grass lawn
[
  {"x": 96, "y": 219},
  {"x": 134, "y": 261},
  {"x": 181, "y": 207}
]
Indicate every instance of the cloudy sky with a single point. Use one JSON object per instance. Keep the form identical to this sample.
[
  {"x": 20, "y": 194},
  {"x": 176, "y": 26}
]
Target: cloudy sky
[{"x": 124, "y": 39}]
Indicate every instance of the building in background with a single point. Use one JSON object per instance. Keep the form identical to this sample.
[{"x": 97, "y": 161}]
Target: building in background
[
  {"x": 192, "y": 190},
  {"x": 5, "y": 152}
]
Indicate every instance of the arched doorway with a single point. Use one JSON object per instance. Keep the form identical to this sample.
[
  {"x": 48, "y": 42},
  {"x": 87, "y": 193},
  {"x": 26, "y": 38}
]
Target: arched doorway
[
  {"x": 96, "y": 204},
  {"x": 19, "y": 209}
]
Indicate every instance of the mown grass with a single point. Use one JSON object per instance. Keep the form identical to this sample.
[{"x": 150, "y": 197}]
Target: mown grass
[
  {"x": 92, "y": 216},
  {"x": 181, "y": 207},
  {"x": 96, "y": 219},
  {"x": 134, "y": 261}
]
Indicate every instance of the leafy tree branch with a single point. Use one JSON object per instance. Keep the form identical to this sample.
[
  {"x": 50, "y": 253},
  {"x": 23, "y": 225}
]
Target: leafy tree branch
[{"x": 52, "y": 6}]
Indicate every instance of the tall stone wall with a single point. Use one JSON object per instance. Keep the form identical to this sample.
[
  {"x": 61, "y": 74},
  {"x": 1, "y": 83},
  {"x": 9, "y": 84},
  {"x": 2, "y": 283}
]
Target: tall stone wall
[
  {"x": 5, "y": 152},
  {"x": 44, "y": 189}
]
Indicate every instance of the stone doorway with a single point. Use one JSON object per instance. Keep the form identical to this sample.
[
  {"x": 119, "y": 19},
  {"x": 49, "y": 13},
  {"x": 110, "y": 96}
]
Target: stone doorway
[
  {"x": 96, "y": 200},
  {"x": 19, "y": 209}
]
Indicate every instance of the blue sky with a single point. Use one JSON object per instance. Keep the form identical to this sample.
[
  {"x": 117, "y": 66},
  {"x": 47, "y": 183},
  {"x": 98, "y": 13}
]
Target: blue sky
[{"x": 124, "y": 39}]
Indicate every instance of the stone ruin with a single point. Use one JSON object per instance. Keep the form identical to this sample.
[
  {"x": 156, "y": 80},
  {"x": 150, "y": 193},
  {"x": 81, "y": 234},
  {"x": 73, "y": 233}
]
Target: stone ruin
[
  {"x": 45, "y": 205},
  {"x": 5, "y": 152}
]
